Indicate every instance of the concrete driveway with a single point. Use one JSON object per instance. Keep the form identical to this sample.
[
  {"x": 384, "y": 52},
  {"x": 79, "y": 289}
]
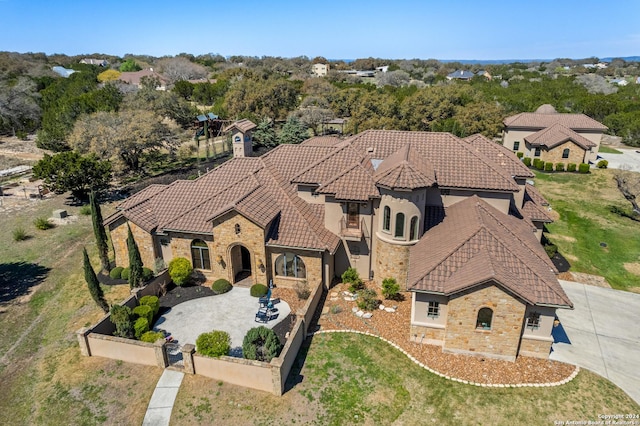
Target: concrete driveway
[
  {"x": 601, "y": 334},
  {"x": 628, "y": 157}
]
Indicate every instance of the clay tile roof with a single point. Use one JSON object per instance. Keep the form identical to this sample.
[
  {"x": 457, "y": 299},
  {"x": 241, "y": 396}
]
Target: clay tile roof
[
  {"x": 456, "y": 163},
  {"x": 291, "y": 160},
  {"x": 540, "y": 120},
  {"x": 500, "y": 155},
  {"x": 475, "y": 244},
  {"x": 322, "y": 141},
  {"x": 342, "y": 158},
  {"x": 405, "y": 169},
  {"x": 353, "y": 184},
  {"x": 243, "y": 125},
  {"x": 534, "y": 205},
  {"x": 557, "y": 134}
]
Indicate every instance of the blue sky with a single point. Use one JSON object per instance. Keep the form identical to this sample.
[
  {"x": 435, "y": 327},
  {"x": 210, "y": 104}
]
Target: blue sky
[{"x": 478, "y": 29}]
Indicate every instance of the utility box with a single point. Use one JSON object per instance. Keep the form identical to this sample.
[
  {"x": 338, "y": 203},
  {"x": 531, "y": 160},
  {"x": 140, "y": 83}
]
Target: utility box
[{"x": 59, "y": 214}]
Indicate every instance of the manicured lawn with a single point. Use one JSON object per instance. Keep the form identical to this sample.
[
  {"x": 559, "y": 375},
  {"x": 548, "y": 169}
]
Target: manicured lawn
[
  {"x": 608, "y": 150},
  {"x": 589, "y": 233},
  {"x": 355, "y": 379},
  {"x": 45, "y": 300}
]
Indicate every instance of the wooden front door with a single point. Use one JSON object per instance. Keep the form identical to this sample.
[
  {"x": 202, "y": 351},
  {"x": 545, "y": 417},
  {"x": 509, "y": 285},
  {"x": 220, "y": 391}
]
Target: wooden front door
[{"x": 353, "y": 215}]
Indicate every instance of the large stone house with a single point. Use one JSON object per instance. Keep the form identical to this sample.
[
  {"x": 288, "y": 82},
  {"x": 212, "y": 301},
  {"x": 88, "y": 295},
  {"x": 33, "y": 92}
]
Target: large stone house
[
  {"x": 554, "y": 137},
  {"x": 452, "y": 220}
]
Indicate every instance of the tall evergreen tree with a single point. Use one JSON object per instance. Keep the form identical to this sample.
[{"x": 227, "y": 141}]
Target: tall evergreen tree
[
  {"x": 93, "y": 284},
  {"x": 99, "y": 232},
  {"x": 135, "y": 261}
]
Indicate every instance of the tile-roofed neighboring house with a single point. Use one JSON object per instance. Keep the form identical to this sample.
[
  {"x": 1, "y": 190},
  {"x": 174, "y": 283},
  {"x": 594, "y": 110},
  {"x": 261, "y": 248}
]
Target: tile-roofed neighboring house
[
  {"x": 553, "y": 137},
  {"x": 135, "y": 78},
  {"x": 243, "y": 125},
  {"x": 443, "y": 216}
]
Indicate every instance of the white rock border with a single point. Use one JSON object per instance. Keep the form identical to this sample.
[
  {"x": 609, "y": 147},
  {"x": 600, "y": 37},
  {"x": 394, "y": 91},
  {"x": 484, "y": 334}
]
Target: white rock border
[{"x": 455, "y": 379}]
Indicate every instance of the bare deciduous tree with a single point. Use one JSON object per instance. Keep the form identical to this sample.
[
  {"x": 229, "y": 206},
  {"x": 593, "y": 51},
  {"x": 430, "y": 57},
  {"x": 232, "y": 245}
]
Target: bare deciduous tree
[
  {"x": 180, "y": 68},
  {"x": 628, "y": 183}
]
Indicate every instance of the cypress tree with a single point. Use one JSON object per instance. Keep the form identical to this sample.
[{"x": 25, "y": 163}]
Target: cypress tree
[
  {"x": 99, "y": 232},
  {"x": 93, "y": 284},
  {"x": 135, "y": 261}
]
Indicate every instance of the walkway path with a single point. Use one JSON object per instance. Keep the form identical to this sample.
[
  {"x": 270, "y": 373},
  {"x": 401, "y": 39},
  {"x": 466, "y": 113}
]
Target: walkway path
[
  {"x": 161, "y": 404},
  {"x": 601, "y": 334}
]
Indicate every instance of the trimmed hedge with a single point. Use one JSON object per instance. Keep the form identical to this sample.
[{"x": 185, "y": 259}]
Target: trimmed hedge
[
  {"x": 140, "y": 327},
  {"x": 125, "y": 273},
  {"x": 116, "y": 272},
  {"x": 571, "y": 167},
  {"x": 151, "y": 301},
  {"x": 144, "y": 311},
  {"x": 520, "y": 154},
  {"x": 560, "y": 167},
  {"x": 583, "y": 168},
  {"x": 151, "y": 336},
  {"x": 258, "y": 290},
  {"x": 180, "y": 270},
  {"x": 221, "y": 286},
  {"x": 527, "y": 161},
  {"x": 121, "y": 317},
  {"x": 214, "y": 344},
  {"x": 602, "y": 164},
  {"x": 548, "y": 167},
  {"x": 261, "y": 343}
]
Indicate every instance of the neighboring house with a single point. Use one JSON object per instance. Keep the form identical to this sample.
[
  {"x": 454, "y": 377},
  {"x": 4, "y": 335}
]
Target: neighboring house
[
  {"x": 619, "y": 81},
  {"x": 241, "y": 137},
  {"x": 320, "y": 70},
  {"x": 135, "y": 78},
  {"x": 452, "y": 220},
  {"x": 484, "y": 73},
  {"x": 461, "y": 75},
  {"x": 94, "y": 61},
  {"x": 62, "y": 71},
  {"x": 554, "y": 137}
]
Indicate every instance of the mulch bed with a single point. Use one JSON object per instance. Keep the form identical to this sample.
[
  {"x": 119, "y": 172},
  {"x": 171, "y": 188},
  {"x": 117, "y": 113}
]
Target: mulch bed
[
  {"x": 394, "y": 326},
  {"x": 104, "y": 278}
]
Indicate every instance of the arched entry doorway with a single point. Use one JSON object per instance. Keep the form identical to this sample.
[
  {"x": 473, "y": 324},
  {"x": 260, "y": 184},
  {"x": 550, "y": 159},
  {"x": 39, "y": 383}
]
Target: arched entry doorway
[{"x": 240, "y": 263}]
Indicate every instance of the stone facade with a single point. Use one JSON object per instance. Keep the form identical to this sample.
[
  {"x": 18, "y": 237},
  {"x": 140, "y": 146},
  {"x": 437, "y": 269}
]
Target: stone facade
[
  {"x": 392, "y": 261},
  {"x": 502, "y": 340},
  {"x": 118, "y": 231},
  {"x": 312, "y": 263},
  {"x": 427, "y": 335},
  {"x": 537, "y": 347},
  {"x": 554, "y": 155}
]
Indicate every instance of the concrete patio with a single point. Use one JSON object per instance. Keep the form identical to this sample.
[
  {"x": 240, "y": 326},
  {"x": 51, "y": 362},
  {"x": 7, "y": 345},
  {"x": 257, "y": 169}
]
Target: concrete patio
[
  {"x": 233, "y": 312},
  {"x": 601, "y": 334}
]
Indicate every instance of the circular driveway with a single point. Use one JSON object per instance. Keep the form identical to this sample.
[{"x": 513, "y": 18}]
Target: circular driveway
[
  {"x": 629, "y": 159},
  {"x": 233, "y": 312}
]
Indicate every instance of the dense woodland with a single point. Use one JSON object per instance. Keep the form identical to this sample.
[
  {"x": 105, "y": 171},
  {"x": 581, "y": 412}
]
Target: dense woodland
[{"x": 92, "y": 112}]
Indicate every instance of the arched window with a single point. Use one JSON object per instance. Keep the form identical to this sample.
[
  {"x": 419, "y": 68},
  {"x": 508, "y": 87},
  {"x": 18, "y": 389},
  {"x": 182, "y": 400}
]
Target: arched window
[
  {"x": 399, "y": 232},
  {"x": 200, "y": 255},
  {"x": 386, "y": 219},
  {"x": 565, "y": 153},
  {"x": 485, "y": 315},
  {"x": 413, "y": 228},
  {"x": 290, "y": 265}
]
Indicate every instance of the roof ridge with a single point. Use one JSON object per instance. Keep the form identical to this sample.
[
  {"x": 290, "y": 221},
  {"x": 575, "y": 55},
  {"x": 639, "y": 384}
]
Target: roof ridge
[
  {"x": 323, "y": 159},
  {"x": 487, "y": 161}
]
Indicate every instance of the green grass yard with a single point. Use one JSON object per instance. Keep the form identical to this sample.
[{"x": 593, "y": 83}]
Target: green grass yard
[
  {"x": 593, "y": 238},
  {"x": 608, "y": 150}
]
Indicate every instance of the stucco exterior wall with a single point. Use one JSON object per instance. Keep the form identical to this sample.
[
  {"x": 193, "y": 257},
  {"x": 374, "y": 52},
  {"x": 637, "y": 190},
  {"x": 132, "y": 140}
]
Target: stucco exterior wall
[
  {"x": 118, "y": 231},
  {"x": 502, "y": 340},
  {"x": 425, "y": 329},
  {"x": 225, "y": 238},
  {"x": 237, "y": 371},
  {"x": 499, "y": 200},
  {"x": 512, "y": 135}
]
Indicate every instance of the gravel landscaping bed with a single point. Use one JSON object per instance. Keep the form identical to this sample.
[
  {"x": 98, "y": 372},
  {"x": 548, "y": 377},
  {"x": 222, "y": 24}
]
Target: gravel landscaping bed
[{"x": 394, "y": 326}]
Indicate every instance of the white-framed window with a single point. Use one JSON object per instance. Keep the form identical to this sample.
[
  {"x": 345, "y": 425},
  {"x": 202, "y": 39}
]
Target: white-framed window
[
  {"x": 290, "y": 265},
  {"x": 433, "y": 310},
  {"x": 485, "y": 316},
  {"x": 533, "y": 321}
]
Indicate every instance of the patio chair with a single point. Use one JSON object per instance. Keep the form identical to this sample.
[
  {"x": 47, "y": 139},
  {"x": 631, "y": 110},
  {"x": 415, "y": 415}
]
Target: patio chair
[{"x": 264, "y": 300}]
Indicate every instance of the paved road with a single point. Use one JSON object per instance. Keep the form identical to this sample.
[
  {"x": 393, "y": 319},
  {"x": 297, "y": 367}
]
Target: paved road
[
  {"x": 629, "y": 157},
  {"x": 601, "y": 334}
]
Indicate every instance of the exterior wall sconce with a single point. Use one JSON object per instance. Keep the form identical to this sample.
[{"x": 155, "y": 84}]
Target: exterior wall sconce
[
  {"x": 219, "y": 259},
  {"x": 260, "y": 264}
]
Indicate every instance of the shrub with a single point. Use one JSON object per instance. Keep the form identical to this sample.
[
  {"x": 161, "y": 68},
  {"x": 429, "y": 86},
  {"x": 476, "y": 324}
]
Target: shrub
[
  {"x": 551, "y": 249},
  {"x": 147, "y": 274},
  {"x": 335, "y": 309},
  {"x": 367, "y": 300},
  {"x": 583, "y": 168},
  {"x": 560, "y": 167},
  {"x": 19, "y": 234},
  {"x": 116, "y": 272},
  {"x": 151, "y": 301},
  {"x": 536, "y": 163},
  {"x": 42, "y": 223},
  {"x": 151, "y": 336},
  {"x": 571, "y": 167},
  {"x": 85, "y": 210},
  {"x": 140, "y": 327},
  {"x": 602, "y": 164},
  {"x": 527, "y": 161},
  {"x": 520, "y": 154},
  {"x": 180, "y": 270},
  {"x": 221, "y": 285},
  {"x": 121, "y": 317},
  {"x": 144, "y": 311},
  {"x": 258, "y": 290},
  {"x": 261, "y": 343},
  {"x": 125, "y": 273},
  {"x": 548, "y": 167},
  {"x": 302, "y": 290},
  {"x": 352, "y": 277},
  {"x": 214, "y": 344},
  {"x": 540, "y": 165},
  {"x": 390, "y": 288}
]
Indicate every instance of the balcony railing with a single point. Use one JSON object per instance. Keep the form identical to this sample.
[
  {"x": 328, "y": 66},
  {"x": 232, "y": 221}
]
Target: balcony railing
[{"x": 353, "y": 232}]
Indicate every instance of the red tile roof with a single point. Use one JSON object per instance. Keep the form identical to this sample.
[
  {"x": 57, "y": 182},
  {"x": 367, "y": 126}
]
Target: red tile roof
[
  {"x": 534, "y": 206},
  {"x": 502, "y": 156},
  {"x": 243, "y": 125},
  {"x": 405, "y": 169},
  {"x": 557, "y": 134},
  {"x": 476, "y": 244},
  {"x": 539, "y": 120}
]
